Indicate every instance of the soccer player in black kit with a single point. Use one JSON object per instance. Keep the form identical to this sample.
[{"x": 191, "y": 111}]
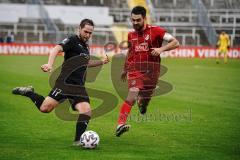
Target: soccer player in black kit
[{"x": 76, "y": 61}]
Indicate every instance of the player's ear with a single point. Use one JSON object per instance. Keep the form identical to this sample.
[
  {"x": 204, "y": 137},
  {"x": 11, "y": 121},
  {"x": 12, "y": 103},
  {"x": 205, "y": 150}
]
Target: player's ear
[{"x": 145, "y": 18}]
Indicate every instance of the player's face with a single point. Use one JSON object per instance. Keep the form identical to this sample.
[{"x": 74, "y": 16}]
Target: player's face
[
  {"x": 137, "y": 21},
  {"x": 86, "y": 32}
]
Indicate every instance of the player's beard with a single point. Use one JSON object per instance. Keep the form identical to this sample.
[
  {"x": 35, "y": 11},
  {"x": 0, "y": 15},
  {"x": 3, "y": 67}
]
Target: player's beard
[
  {"x": 83, "y": 38},
  {"x": 138, "y": 27}
]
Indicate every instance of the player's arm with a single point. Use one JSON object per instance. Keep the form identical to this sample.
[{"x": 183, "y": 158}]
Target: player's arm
[
  {"x": 52, "y": 56},
  {"x": 95, "y": 63},
  {"x": 172, "y": 43},
  {"x": 124, "y": 71},
  {"x": 125, "y": 62}
]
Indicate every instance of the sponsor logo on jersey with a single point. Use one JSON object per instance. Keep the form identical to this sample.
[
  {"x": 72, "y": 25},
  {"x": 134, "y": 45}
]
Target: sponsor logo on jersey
[
  {"x": 142, "y": 47},
  {"x": 147, "y": 37}
]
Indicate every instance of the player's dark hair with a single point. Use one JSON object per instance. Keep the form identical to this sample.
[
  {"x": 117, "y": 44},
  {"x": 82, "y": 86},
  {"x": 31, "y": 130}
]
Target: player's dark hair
[
  {"x": 139, "y": 10},
  {"x": 86, "y": 22}
]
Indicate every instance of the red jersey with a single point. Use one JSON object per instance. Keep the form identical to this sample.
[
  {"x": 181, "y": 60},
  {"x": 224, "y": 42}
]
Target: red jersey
[{"x": 140, "y": 60}]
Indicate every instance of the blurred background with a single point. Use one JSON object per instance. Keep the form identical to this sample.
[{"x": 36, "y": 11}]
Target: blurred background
[{"x": 193, "y": 22}]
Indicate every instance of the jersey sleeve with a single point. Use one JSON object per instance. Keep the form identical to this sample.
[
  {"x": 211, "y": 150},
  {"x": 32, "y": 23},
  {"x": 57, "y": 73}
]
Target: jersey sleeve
[
  {"x": 129, "y": 41},
  {"x": 160, "y": 32},
  {"x": 66, "y": 44}
]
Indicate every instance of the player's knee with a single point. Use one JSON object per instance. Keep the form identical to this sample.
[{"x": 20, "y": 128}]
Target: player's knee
[
  {"x": 46, "y": 108},
  {"x": 132, "y": 95},
  {"x": 84, "y": 108},
  {"x": 134, "y": 90}
]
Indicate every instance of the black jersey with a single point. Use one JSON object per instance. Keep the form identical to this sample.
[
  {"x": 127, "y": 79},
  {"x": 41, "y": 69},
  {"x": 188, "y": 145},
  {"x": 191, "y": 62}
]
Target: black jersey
[{"x": 74, "y": 47}]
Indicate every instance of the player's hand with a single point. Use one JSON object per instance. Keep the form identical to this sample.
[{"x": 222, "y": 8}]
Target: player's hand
[
  {"x": 46, "y": 68},
  {"x": 106, "y": 60},
  {"x": 156, "y": 51},
  {"x": 124, "y": 76}
]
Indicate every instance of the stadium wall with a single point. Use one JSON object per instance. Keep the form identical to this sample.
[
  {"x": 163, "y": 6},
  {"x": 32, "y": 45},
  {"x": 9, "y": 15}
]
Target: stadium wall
[
  {"x": 70, "y": 15},
  {"x": 182, "y": 52}
]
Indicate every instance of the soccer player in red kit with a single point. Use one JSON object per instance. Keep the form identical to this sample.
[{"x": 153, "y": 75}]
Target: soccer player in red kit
[{"x": 142, "y": 65}]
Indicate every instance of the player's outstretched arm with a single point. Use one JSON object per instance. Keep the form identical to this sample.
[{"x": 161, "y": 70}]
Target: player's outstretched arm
[
  {"x": 53, "y": 53},
  {"x": 172, "y": 43},
  {"x": 95, "y": 63}
]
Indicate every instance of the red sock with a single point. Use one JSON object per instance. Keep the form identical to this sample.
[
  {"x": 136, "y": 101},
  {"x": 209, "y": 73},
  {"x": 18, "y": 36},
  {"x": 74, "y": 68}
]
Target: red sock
[{"x": 124, "y": 111}]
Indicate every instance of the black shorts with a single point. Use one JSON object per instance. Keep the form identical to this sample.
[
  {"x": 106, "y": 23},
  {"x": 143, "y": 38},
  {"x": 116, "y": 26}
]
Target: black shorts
[{"x": 58, "y": 95}]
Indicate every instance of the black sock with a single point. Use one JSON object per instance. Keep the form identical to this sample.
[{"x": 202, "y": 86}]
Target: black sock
[
  {"x": 81, "y": 125},
  {"x": 36, "y": 98}
]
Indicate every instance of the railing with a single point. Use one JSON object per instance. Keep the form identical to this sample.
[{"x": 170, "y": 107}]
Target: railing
[
  {"x": 50, "y": 25},
  {"x": 183, "y": 15},
  {"x": 204, "y": 22},
  {"x": 186, "y": 35},
  {"x": 100, "y": 36}
]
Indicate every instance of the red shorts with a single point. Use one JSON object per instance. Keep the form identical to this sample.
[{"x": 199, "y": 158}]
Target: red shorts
[{"x": 146, "y": 82}]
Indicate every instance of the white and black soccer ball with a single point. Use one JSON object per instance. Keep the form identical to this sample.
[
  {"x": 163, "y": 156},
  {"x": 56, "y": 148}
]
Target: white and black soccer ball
[{"x": 89, "y": 139}]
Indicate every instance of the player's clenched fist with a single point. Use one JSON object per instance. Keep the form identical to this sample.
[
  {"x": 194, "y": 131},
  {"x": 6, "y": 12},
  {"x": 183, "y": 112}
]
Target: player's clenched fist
[
  {"x": 46, "y": 68},
  {"x": 105, "y": 60}
]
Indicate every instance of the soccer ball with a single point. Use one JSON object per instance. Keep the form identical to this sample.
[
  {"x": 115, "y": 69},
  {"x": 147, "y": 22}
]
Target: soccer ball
[{"x": 89, "y": 139}]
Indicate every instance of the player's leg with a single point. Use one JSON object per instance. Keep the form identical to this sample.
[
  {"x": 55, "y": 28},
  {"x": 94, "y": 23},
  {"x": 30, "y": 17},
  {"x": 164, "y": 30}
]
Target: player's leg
[
  {"x": 142, "y": 104},
  {"x": 127, "y": 105},
  {"x": 145, "y": 94},
  {"x": 48, "y": 104},
  {"x": 44, "y": 105},
  {"x": 218, "y": 53},
  {"x": 144, "y": 99},
  {"x": 82, "y": 105},
  {"x": 125, "y": 111},
  {"x": 28, "y": 91},
  {"x": 225, "y": 56}
]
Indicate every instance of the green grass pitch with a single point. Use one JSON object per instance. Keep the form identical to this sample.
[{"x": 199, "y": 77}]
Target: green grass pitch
[{"x": 199, "y": 119}]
